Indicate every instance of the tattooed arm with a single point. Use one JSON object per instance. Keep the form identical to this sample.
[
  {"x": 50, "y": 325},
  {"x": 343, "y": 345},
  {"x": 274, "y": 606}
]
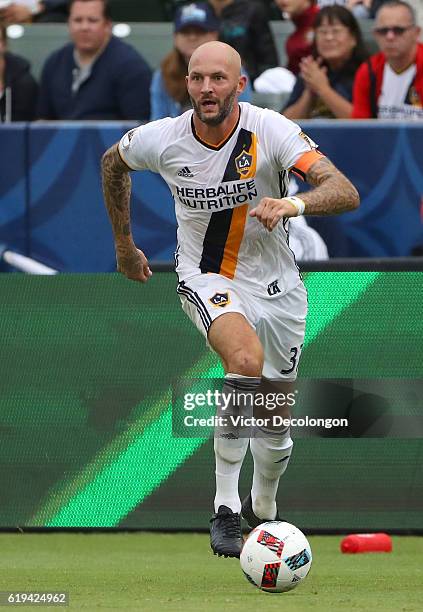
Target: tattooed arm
[
  {"x": 333, "y": 194},
  {"x": 117, "y": 193}
]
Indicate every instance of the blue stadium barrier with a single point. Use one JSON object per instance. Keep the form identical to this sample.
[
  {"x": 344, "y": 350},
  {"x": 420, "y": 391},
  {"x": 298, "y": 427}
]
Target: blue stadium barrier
[
  {"x": 13, "y": 186},
  {"x": 383, "y": 160},
  {"x": 51, "y": 206}
]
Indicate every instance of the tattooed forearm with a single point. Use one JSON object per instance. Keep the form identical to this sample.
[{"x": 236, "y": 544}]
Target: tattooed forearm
[
  {"x": 117, "y": 193},
  {"x": 333, "y": 192}
]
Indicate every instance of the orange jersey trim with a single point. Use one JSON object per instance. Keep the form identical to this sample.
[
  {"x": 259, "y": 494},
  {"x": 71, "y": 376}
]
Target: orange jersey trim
[
  {"x": 220, "y": 144},
  {"x": 233, "y": 241},
  {"x": 209, "y": 145}
]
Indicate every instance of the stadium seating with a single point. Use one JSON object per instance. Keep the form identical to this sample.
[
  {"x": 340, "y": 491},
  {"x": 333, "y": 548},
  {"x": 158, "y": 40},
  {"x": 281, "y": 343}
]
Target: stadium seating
[{"x": 153, "y": 40}]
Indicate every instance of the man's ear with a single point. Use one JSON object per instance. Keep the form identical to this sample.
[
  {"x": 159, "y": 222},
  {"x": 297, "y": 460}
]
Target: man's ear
[{"x": 242, "y": 83}]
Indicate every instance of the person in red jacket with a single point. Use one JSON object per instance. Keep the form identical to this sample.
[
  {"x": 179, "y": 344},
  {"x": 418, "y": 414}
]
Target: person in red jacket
[
  {"x": 299, "y": 44},
  {"x": 390, "y": 84}
]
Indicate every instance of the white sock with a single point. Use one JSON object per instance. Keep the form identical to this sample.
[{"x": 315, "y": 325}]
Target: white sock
[
  {"x": 231, "y": 443},
  {"x": 229, "y": 455},
  {"x": 271, "y": 452}
]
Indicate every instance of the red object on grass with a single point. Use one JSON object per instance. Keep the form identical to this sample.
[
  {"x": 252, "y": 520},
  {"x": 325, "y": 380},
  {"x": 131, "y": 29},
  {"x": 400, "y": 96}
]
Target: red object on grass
[{"x": 366, "y": 542}]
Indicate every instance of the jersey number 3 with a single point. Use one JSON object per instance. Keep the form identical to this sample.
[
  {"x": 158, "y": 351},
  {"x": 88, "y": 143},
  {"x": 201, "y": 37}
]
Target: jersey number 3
[{"x": 293, "y": 360}]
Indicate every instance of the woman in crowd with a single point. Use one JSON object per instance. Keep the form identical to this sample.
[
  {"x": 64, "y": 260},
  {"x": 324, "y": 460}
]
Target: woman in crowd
[
  {"x": 324, "y": 85},
  {"x": 195, "y": 24}
]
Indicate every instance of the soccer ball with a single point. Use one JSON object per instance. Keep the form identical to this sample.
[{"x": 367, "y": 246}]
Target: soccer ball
[{"x": 276, "y": 557}]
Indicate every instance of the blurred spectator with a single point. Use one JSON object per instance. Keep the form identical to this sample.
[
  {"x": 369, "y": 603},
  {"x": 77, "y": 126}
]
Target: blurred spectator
[
  {"x": 417, "y": 5},
  {"x": 25, "y": 11},
  {"x": 299, "y": 44},
  {"x": 367, "y": 9},
  {"x": 325, "y": 84},
  {"x": 245, "y": 26},
  {"x": 97, "y": 76},
  {"x": 375, "y": 6},
  {"x": 361, "y": 9},
  {"x": 195, "y": 24},
  {"x": 390, "y": 83},
  {"x": 18, "y": 88}
]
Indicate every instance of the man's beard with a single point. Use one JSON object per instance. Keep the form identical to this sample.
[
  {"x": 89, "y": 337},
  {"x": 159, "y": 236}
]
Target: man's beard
[{"x": 225, "y": 109}]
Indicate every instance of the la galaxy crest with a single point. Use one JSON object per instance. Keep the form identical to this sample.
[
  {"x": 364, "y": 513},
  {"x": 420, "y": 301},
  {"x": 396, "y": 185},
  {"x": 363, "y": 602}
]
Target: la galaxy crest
[
  {"x": 220, "y": 300},
  {"x": 243, "y": 163}
]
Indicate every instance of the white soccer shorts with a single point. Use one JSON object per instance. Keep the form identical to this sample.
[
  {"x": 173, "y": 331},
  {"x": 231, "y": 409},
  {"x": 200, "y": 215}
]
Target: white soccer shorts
[{"x": 279, "y": 322}]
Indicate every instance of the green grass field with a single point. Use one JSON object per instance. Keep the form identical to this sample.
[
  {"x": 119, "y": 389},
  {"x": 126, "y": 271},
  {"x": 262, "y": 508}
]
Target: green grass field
[{"x": 146, "y": 571}]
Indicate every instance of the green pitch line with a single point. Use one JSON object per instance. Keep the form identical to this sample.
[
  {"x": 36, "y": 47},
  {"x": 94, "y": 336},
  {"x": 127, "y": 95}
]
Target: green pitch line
[
  {"x": 120, "y": 486},
  {"x": 134, "y": 465},
  {"x": 345, "y": 287},
  {"x": 126, "y": 471}
]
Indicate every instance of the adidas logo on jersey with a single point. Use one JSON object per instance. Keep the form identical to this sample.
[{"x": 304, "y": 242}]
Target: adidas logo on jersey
[{"x": 185, "y": 172}]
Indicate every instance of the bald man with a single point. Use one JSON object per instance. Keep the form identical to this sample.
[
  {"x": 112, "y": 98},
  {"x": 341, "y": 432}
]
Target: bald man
[{"x": 227, "y": 165}]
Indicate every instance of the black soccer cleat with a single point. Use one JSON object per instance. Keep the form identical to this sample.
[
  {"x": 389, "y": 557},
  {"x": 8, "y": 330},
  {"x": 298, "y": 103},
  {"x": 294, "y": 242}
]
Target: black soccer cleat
[
  {"x": 247, "y": 513},
  {"x": 225, "y": 533}
]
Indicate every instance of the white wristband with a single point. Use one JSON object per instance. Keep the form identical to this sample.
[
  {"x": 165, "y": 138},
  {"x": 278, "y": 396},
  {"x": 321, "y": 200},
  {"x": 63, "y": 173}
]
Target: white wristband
[{"x": 298, "y": 203}]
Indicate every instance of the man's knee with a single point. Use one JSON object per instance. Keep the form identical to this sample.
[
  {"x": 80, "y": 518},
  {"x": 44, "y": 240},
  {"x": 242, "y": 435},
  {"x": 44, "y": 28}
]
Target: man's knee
[
  {"x": 237, "y": 344},
  {"x": 247, "y": 361}
]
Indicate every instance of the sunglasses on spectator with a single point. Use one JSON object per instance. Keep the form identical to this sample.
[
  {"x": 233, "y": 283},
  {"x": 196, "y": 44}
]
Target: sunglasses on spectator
[{"x": 396, "y": 30}]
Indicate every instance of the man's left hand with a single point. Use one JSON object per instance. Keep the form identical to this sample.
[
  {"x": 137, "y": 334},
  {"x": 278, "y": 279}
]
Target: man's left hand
[{"x": 270, "y": 211}]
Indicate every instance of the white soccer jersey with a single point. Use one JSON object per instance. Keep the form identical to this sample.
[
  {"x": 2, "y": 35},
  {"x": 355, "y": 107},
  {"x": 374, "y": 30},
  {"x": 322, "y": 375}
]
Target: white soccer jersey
[
  {"x": 396, "y": 98},
  {"x": 215, "y": 187}
]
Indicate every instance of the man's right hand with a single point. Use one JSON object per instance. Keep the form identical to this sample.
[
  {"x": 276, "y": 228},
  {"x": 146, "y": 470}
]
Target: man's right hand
[{"x": 133, "y": 264}]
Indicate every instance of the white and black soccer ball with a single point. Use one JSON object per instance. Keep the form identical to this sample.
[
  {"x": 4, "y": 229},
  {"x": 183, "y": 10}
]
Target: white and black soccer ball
[{"x": 276, "y": 557}]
